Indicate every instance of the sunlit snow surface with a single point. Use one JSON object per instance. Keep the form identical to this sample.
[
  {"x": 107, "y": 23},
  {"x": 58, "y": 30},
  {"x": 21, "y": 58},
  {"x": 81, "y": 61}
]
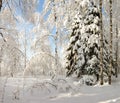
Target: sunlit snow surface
[{"x": 59, "y": 90}]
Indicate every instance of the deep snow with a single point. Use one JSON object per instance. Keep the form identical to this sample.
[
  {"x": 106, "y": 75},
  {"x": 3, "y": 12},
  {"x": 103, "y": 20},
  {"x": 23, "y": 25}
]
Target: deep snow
[{"x": 59, "y": 90}]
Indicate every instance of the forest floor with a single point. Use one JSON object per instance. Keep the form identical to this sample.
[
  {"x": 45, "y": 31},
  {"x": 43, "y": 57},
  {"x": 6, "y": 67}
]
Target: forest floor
[{"x": 45, "y": 90}]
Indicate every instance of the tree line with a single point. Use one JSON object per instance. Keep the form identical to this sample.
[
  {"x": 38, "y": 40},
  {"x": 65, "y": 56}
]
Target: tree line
[{"x": 90, "y": 28}]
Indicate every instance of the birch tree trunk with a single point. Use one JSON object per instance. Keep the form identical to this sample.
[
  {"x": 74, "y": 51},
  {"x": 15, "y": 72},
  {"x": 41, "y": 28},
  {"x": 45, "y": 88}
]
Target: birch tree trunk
[
  {"x": 56, "y": 38},
  {"x": 101, "y": 43},
  {"x": 0, "y": 59},
  {"x": 25, "y": 43},
  {"x": 0, "y": 47},
  {"x": 111, "y": 36}
]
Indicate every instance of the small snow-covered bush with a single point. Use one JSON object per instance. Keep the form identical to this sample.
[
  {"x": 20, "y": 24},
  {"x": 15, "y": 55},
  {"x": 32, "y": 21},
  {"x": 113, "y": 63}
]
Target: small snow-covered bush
[{"x": 88, "y": 80}]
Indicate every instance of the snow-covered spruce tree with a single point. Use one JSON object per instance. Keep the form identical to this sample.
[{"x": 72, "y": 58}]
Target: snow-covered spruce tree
[
  {"x": 73, "y": 55},
  {"x": 92, "y": 30},
  {"x": 85, "y": 58}
]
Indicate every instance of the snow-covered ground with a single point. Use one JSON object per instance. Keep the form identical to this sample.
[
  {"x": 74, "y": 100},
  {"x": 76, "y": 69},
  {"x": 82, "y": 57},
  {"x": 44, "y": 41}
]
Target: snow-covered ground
[{"x": 60, "y": 90}]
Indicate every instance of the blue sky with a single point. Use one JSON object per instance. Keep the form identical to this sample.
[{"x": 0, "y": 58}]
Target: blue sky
[
  {"x": 39, "y": 9},
  {"x": 28, "y": 26},
  {"x": 40, "y": 5}
]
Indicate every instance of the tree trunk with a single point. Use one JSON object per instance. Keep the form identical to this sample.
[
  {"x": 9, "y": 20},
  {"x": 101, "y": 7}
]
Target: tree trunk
[
  {"x": 116, "y": 54},
  {"x": 0, "y": 4},
  {"x": 111, "y": 36},
  {"x": 25, "y": 43},
  {"x": 56, "y": 38},
  {"x": 56, "y": 52},
  {"x": 101, "y": 43},
  {"x": 0, "y": 59},
  {"x": 0, "y": 47}
]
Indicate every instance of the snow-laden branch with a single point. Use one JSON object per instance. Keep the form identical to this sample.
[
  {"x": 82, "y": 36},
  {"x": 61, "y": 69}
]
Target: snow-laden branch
[
  {"x": 3, "y": 37},
  {"x": 43, "y": 37},
  {"x": 15, "y": 48}
]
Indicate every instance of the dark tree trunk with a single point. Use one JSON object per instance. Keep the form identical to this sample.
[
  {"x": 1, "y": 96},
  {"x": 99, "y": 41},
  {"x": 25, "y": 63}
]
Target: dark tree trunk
[
  {"x": 0, "y": 4},
  {"x": 101, "y": 43},
  {"x": 116, "y": 54},
  {"x": 111, "y": 37}
]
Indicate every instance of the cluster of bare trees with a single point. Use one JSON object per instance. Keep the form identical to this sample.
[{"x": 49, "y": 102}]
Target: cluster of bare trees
[{"x": 11, "y": 55}]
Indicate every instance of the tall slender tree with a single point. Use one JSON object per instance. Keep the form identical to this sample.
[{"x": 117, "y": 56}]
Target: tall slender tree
[
  {"x": 111, "y": 37},
  {"x": 0, "y": 47},
  {"x": 25, "y": 49},
  {"x": 1, "y": 50},
  {"x": 0, "y": 4},
  {"x": 101, "y": 42},
  {"x": 56, "y": 37},
  {"x": 116, "y": 53}
]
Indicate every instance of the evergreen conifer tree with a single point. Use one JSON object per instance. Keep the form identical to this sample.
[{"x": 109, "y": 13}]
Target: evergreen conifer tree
[
  {"x": 92, "y": 30},
  {"x": 72, "y": 50},
  {"x": 84, "y": 48}
]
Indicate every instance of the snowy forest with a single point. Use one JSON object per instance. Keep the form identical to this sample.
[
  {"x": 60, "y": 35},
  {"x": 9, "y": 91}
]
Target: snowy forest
[{"x": 59, "y": 51}]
